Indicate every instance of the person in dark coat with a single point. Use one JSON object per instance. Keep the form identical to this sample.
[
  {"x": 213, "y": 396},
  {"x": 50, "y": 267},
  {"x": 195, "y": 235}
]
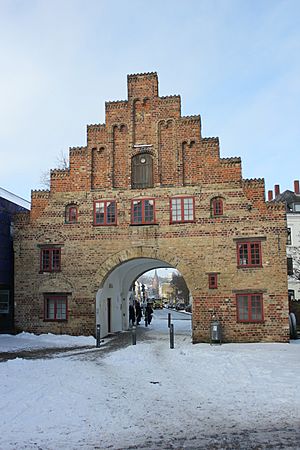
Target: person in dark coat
[
  {"x": 138, "y": 312},
  {"x": 148, "y": 313},
  {"x": 131, "y": 315}
]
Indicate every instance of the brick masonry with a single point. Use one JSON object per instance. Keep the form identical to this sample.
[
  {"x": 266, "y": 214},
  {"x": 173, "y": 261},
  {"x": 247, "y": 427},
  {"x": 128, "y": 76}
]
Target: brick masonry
[{"x": 184, "y": 163}]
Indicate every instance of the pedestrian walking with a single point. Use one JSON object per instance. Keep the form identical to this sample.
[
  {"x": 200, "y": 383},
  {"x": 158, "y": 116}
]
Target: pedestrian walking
[
  {"x": 138, "y": 312},
  {"x": 131, "y": 315},
  {"x": 148, "y": 313}
]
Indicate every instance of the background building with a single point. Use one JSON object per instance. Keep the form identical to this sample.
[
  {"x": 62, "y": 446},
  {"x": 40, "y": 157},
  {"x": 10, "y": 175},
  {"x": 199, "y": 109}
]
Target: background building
[
  {"x": 9, "y": 205},
  {"x": 292, "y": 202}
]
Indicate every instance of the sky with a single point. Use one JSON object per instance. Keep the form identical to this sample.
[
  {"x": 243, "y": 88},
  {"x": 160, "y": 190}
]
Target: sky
[
  {"x": 236, "y": 63},
  {"x": 148, "y": 396}
]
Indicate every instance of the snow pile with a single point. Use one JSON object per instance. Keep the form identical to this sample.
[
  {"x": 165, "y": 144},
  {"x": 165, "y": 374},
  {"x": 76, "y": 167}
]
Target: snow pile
[{"x": 29, "y": 341}]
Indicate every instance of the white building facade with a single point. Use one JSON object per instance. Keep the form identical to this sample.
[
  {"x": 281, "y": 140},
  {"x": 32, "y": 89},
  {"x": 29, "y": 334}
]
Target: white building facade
[{"x": 292, "y": 201}]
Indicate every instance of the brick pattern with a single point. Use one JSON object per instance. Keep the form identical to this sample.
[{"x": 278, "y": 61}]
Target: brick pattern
[{"x": 184, "y": 164}]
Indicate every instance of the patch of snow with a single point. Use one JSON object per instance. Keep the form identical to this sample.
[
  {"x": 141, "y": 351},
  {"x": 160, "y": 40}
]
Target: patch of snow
[
  {"x": 30, "y": 341},
  {"x": 146, "y": 395}
]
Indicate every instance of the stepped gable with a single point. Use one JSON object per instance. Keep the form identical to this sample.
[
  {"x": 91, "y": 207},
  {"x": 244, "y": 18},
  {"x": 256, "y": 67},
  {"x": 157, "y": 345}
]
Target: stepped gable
[
  {"x": 77, "y": 150},
  {"x": 144, "y": 74},
  {"x": 253, "y": 181},
  {"x": 275, "y": 205},
  {"x": 210, "y": 140},
  {"x": 57, "y": 173},
  {"x": 150, "y": 187},
  {"x": 96, "y": 127},
  {"x": 116, "y": 104},
  {"x": 191, "y": 119},
  {"x": 142, "y": 85},
  {"x": 232, "y": 160},
  {"x": 171, "y": 98},
  {"x": 41, "y": 193}
]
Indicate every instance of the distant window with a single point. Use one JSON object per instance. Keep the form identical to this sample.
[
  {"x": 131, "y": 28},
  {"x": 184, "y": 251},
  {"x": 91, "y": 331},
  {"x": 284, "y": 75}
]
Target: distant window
[
  {"x": 249, "y": 308},
  {"x": 249, "y": 254},
  {"x": 213, "y": 281},
  {"x": 143, "y": 211},
  {"x": 296, "y": 207},
  {"x": 182, "y": 209},
  {"x": 291, "y": 294},
  {"x": 55, "y": 307},
  {"x": 289, "y": 237},
  {"x": 50, "y": 260},
  {"x": 290, "y": 268},
  {"x": 141, "y": 171},
  {"x": 71, "y": 214},
  {"x": 105, "y": 212},
  {"x": 4, "y": 301},
  {"x": 217, "y": 207}
]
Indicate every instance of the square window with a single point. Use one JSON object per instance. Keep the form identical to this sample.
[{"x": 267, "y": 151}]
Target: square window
[
  {"x": 50, "y": 260},
  {"x": 249, "y": 254},
  {"x": 249, "y": 308},
  {"x": 182, "y": 209},
  {"x": 143, "y": 211},
  {"x": 105, "y": 212},
  {"x": 55, "y": 307}
]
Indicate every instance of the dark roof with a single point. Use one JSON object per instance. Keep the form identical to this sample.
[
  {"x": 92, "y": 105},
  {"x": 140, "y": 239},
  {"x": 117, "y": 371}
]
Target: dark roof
[{"x": 288, "y": 197}]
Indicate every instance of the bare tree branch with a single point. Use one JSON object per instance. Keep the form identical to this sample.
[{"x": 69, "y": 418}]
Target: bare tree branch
[{"x": 62, "y": 162}]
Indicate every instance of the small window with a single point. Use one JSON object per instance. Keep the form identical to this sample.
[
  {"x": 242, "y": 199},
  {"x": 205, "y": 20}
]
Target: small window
[
  {"x": 105, "y": 212},
  {"x": 296, "y": 207},
  {"x": 289, "y": 237},
  {"x": 55, "y": 307},
  {"x": 290, "y": 268},
  {"x": 182, "y": 209},
  {"x": 143, "y": 212},
  {"x": 50, "y": 260},
  {"x": 291, "y": 294},
  {"x": 4, "y": 301},
  {"x": 249, "y": 254},
  {"x": 217, "y": 207},
  {"x": 249, "y": 308},
  {"x": 71, "y": 214},
  {"x": 213, "y": 281},
  {"x": 141, "y": 171}
]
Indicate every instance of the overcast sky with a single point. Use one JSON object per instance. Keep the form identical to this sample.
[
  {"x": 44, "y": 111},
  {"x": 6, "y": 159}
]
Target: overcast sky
[{"x": 234, "y": 62}]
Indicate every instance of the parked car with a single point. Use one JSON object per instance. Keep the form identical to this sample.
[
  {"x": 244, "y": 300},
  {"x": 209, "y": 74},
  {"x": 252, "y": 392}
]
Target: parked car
[
  {"x": 188, "y": 308},
  {"x": 180, "y": 306},
  {"x": 158, "y": 304}
]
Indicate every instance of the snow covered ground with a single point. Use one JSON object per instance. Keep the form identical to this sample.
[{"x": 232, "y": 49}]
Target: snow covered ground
[{"x": 149, "y": 396}]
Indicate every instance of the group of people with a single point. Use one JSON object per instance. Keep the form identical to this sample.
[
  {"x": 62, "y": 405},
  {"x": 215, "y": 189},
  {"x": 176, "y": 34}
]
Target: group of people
[{"x": 136, "y": 313}]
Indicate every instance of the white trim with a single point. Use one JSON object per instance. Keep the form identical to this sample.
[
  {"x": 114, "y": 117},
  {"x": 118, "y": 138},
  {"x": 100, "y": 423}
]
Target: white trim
[{"x": 14, "y": 198}]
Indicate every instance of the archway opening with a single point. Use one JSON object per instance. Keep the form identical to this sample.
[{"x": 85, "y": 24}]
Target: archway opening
[{"x": 132, "y": 281}]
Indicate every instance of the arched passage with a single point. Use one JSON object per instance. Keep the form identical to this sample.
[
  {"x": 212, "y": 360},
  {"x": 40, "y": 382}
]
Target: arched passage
[{"x": 117, "y": 277}]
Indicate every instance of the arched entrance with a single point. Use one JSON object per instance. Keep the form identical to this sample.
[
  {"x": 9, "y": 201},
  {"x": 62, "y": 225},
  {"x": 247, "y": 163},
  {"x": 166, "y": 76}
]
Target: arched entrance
[{"x": 112, "y": 298}]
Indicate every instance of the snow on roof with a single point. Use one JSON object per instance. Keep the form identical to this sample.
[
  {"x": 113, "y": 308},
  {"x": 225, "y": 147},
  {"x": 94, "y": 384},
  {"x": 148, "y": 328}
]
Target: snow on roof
[{"x": 14, "y": 198}]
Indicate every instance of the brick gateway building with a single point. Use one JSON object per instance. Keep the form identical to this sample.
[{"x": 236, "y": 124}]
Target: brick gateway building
[{"x": 149, "y": 191}]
